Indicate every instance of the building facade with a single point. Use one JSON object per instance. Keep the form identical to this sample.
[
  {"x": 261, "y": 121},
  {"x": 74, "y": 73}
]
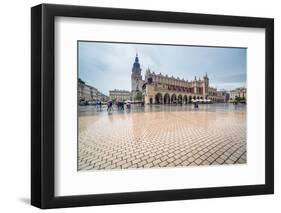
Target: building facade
[
  {"x": 101, "y": 97},
  {"x": 238, "y": 92},
  {"x": 222, "y": 96},
  {"x": 164, "y": 89},
  {"x": 89, "y": 94},
  {"x": 120, "y": 95}
]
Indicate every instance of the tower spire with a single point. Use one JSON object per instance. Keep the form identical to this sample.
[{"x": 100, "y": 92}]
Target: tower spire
[
  {"x": 136, "y": 66},
  {"x": 136, "y": 77}
]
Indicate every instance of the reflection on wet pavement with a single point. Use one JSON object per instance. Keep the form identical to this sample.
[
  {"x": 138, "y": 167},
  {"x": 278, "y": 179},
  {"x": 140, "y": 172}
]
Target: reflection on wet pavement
[{"x": 161, "y": 136}]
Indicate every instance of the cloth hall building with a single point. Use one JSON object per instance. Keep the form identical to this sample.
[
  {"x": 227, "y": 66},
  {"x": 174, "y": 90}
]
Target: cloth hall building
[{"x": 164, "y": 89}]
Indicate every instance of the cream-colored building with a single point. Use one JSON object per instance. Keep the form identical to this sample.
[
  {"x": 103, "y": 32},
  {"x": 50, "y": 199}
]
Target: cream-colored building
[
  {"x": 164, "y": 89},
  {"x": 119, "y": 95},
  {"x": 87, "y": 93},
  {"x": 222, "y": 96},
  {"x": 238, "y": 92}
]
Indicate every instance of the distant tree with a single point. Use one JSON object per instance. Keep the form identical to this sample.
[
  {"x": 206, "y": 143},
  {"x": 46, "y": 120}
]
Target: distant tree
[
  {"x": 243, "y": 100},
  {"x": 237, "y": 99},
  {"x": 139, "y": 96}
]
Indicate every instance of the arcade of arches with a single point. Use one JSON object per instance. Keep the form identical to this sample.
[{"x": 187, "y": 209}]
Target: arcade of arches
[{"x": 173, "y": 98}]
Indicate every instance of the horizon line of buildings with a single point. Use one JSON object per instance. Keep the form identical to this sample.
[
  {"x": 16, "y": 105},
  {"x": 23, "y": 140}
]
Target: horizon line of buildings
[{"x": 161, "y": 89}]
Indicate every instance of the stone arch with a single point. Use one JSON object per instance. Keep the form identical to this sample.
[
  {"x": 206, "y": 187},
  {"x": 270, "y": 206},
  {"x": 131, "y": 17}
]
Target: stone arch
[
  {"x": 166, "y": 98},
  {"x": 189, "y": 99},
  {"x": 158, "y": 98},
  {"x": 180, "y": 99},
  {"x": 173, "y": 99},
  {"x": 185, "y": 100}
]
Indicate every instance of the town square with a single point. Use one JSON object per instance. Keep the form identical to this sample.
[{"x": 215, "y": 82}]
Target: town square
[{"x": 182, "y": 138}]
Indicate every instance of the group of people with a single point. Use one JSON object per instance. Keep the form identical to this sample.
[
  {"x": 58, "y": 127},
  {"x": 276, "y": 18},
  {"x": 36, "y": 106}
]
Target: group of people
[
  {"x": 120, "y": 105},
  {"x": 99, "y": 105}
]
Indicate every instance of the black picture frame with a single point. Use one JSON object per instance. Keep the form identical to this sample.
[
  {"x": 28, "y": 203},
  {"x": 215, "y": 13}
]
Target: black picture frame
[{"x": 43, "y": 105}]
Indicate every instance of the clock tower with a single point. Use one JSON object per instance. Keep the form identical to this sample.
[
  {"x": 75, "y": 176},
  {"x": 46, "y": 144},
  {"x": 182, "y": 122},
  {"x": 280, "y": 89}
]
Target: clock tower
[{"x": 136, "y": 77}]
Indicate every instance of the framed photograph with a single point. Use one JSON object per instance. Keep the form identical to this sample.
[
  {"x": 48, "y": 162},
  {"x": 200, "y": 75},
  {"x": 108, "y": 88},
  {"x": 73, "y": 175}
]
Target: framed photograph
[{"x": 140, "y": 106}]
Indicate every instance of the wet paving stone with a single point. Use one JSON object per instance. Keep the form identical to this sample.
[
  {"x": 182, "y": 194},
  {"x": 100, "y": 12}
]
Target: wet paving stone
[{"x": 161, "y": 139}]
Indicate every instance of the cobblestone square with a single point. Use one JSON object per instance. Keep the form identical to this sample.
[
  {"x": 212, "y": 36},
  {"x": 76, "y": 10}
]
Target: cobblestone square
[{"x": 154, "y": 139}]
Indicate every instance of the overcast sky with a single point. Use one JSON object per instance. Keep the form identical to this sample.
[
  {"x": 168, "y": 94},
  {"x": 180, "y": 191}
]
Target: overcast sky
[{"x": 108, "y": 66}]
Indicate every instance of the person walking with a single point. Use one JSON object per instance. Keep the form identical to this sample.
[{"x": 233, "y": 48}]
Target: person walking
[
  {"x": 109, "y": 106},
  {"x": 128, "y": 104},
  {"x": 100, "y": 105},
  {"x": 196, "y": 105}
]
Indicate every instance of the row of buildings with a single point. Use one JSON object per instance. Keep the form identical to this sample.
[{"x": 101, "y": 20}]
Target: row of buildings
[
  {"x": 88, "y": 94},
  {"x": 161, "y": 89}
]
